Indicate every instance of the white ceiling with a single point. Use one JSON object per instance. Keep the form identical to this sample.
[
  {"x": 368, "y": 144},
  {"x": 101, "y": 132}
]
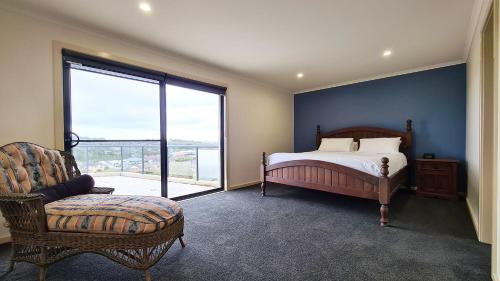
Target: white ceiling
[{"x": 272, "y": 40}]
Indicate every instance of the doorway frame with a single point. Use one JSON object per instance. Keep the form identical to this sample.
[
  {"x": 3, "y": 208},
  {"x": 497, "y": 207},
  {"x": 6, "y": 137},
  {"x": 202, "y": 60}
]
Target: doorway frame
[{"x": 488, "y": 132}]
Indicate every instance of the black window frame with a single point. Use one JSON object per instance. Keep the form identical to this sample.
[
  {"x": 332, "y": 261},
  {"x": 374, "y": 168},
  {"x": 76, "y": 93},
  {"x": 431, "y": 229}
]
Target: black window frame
[{"x": 129, "y": 71}]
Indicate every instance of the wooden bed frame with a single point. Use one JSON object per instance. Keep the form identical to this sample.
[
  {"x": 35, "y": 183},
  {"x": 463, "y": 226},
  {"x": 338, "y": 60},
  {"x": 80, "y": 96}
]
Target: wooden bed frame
[{"x": 334, "y": 178}]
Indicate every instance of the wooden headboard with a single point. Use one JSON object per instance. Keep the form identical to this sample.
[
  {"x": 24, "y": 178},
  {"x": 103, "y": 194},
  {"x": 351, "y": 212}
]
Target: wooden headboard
[{"x": 370, "y": 132}]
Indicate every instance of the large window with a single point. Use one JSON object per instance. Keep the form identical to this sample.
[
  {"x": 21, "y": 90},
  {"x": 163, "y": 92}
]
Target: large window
[{"x": 141, "y": 131}]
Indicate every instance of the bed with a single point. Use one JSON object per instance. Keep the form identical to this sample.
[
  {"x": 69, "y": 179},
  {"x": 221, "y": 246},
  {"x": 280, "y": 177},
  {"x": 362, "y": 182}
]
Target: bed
[{"x": 316, "y": 171}]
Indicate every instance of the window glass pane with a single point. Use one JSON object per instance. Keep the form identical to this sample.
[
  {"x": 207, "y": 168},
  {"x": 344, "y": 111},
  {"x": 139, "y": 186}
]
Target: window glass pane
[
  {"x": 193, "y": 140},
  {"x": 105, "y": 107},
  {"x": 192, "y": 115}
]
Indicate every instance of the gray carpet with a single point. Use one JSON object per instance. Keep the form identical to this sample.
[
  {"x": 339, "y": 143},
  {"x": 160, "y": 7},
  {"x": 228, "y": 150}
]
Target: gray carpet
[{"x": 297, "y": 234}]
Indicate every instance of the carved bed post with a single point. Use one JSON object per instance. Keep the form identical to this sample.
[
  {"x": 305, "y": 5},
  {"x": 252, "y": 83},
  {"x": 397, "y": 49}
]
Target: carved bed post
[
  {"x": 318, "y": 136},
  {"x": 384, "y": 192},
  {"x": 263, "y": 174},
  {"x": 409, "y": 140}
]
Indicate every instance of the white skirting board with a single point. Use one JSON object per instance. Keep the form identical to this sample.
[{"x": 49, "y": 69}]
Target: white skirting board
[
  {"x": 236, "y": 186},
  {"x": 5, "y": 239},
  {"x": 474, "y": 218}
]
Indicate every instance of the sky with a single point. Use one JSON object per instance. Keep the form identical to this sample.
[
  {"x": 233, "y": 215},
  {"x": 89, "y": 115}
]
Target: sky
[{"x": 107, "y": 107}]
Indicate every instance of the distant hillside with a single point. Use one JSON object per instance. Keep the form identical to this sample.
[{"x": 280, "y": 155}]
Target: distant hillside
[
  {"x": 189, "y": 142},
  {"x": 118, "y": 143}
]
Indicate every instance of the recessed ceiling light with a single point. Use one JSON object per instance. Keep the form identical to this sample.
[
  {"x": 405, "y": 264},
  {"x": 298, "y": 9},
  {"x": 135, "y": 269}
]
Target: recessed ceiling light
[
  {"x": 387, "y": 53},
  {"x": 145, "y": 7},
  {"x": 300, "y": 75}
]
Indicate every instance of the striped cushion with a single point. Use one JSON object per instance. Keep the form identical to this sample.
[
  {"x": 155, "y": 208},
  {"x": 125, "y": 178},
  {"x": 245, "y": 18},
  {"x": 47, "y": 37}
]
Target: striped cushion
[
  {"x": 27, "y": 167},
  {"x": 117, "y": 214}
]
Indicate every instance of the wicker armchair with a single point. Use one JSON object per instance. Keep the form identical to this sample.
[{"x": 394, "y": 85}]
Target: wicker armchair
[{"x": 33, "y": 242}]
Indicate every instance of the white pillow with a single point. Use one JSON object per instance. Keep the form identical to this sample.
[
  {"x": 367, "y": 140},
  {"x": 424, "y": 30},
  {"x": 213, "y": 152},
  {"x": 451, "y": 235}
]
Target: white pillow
[
  {"x": 336, "y": 144},
  {"x": 380, "y": 145}
]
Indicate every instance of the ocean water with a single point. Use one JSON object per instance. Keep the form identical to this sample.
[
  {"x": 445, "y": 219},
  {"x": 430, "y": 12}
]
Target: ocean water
[{"x": 209, "y": 164}]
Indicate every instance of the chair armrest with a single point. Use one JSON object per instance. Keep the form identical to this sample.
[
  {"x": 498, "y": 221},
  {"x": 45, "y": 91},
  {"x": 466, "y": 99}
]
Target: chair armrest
[
  {"x": 20, "y": 197},
  {"x": 102, "y": 190},
  {"x": 24, "y": 212}
]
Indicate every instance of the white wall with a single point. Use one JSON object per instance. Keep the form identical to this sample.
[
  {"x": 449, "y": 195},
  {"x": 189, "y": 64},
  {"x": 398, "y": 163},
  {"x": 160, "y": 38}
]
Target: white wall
[
  {"x": 495, "y": 260},
  {"x": 473, "y": 128},
  {"x": 259, "y": 116}
]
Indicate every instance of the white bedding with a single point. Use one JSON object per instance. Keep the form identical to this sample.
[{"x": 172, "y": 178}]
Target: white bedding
[{"x": 366, "y": 162}]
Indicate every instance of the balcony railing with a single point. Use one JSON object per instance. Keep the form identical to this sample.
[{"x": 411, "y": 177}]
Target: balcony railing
[{"x": 194, "y": 162}]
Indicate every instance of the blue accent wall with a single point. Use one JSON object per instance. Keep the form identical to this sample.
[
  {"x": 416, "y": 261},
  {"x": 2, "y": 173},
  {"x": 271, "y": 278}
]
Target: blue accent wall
[{"x": 434, "y": 99}]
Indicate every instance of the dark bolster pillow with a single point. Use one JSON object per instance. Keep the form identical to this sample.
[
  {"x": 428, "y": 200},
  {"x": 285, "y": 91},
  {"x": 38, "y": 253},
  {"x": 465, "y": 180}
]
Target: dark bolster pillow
[{"x": 76, "y": 186}]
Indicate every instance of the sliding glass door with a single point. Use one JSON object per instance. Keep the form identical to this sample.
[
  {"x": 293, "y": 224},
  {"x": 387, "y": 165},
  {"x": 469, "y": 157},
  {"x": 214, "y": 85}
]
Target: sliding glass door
[
  {"x": 193, "y": 140},
  {"x": 143, "y": 132}
]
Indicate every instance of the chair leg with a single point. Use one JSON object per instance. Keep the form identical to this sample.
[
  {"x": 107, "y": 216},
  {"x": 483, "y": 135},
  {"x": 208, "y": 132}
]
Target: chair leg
[
  {"x": 10, "y": 268},
  {"x": 182, "y": 242},
  {"x": 42, "y": 272},
  {"x": 147, "y": 275},
  {"x": 43, "y": 259}
]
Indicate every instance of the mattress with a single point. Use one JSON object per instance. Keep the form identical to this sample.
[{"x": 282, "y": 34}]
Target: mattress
[{"x": 365, "y": 162}]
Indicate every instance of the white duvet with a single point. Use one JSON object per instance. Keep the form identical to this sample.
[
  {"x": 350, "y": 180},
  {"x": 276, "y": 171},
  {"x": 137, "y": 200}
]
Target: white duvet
[{"x": 362, "y": 161}]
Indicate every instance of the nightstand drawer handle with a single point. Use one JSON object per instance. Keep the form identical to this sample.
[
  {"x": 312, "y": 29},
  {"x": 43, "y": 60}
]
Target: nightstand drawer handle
[{"x": 435, "y": 167}]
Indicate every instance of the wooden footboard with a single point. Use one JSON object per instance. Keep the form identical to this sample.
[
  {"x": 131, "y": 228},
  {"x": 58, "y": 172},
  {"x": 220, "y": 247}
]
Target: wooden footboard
[{"x": 324, "y": 176}]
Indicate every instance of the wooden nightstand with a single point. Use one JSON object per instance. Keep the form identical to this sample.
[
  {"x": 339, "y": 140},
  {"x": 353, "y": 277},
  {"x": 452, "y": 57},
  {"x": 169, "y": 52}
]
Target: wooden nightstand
[{"x": 437, "y": 178}]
